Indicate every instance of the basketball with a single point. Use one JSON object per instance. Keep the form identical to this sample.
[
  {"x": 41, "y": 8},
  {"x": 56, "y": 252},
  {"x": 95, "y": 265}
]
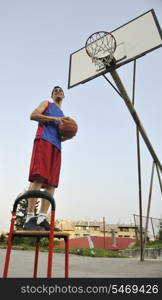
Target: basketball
[{"x": 68, "y": 128}]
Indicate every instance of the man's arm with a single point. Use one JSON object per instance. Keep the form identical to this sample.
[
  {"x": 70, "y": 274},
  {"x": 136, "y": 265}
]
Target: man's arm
[{"x": 37, "y": 114}]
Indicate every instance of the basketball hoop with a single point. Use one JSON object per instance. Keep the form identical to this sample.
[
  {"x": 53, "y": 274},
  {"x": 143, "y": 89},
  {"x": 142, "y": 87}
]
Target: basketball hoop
[{"x": 100, "y": 46}]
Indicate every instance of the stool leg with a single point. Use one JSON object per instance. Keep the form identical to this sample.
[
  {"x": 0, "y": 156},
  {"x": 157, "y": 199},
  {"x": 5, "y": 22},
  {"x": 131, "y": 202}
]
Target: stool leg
[
  {"x": 66, "y": 239},
  {"x": 51, "y": 243},
  {"x": 36, "y": 258},
  {"x": 8, "y": 251}
]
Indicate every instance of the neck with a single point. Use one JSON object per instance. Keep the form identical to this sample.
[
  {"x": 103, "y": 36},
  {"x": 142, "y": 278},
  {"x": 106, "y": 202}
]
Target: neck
[{"x": 58, "y": 102}]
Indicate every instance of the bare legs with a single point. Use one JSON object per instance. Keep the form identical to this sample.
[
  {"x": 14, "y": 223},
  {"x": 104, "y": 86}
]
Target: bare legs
[
  {"x": 32, "y": 201},
  {"x": 44, "y": 203}
]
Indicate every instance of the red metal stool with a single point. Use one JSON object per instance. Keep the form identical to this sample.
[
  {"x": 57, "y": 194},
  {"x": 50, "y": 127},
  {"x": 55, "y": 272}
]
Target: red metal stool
[{"x": 38, "y": 234}]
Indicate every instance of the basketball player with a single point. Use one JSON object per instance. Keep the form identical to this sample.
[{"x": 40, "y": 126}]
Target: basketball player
[{"x": 46, "y": 157}]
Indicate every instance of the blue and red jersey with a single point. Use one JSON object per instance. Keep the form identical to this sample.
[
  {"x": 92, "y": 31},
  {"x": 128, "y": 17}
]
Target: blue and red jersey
[{"x": 48, "y": 131}]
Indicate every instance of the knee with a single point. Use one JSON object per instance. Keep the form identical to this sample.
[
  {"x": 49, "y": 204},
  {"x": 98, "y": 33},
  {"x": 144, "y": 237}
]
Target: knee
[
  {"x": 35, "y": 185},
  {"x": 50, "y": 189}
]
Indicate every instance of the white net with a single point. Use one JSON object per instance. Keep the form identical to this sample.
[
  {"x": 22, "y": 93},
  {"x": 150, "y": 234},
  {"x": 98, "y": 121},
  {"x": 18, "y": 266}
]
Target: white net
[{"x": 100, "y": 46}]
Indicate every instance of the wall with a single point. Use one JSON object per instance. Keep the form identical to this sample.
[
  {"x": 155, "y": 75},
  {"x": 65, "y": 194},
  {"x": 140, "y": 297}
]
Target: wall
[{"x": 152, "y": 253}]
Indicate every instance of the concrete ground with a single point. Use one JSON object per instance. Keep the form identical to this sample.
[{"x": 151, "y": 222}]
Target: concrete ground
[{"x": 21, "y": 265}]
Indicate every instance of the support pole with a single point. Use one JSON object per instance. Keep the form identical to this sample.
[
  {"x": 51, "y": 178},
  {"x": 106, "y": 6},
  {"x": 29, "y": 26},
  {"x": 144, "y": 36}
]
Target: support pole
[
  {"x": 133, "y": 112},
  {"x": 160, "y": 183},
  {"x": 134, "y": 80},
  {"x": 139, "y": 169},
  {"x": 140, "y": 129},
  {"x": 140, "y": 196},
  {"x": 148, "y": 207}
]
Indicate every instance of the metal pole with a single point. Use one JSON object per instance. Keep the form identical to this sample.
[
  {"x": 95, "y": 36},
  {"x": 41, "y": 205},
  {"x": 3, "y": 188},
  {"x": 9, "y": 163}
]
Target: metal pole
[
  {"x": 148, "y": 207},
  {"x": 134, "y": 77},
  {"x": 140, "y": 196},
  {"x": 139, "y": 168},
  {"x": 133, "y": 112},
  {"x": 150, "y": 194},
  {"x": 160, "y": 183},
  {"x": 123, "y": 93}
]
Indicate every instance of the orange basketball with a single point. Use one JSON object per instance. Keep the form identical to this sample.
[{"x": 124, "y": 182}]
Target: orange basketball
[{"x": 68, "y": 128}]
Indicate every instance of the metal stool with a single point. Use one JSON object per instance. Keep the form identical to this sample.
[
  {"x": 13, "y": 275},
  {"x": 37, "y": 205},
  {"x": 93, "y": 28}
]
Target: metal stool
[{"x": 38, "y": 235}]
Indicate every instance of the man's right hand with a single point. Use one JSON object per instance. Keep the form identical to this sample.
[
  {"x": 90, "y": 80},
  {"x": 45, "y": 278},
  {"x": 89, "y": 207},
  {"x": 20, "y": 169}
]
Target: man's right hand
[{"x": 60, "y": 119}]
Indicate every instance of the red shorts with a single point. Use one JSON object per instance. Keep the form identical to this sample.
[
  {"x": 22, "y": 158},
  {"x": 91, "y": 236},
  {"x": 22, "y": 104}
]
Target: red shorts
[{"x": 45, "y": 163}]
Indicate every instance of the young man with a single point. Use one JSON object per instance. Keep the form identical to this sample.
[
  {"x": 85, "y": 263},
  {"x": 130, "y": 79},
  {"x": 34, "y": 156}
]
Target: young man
[{"x": 46, "y": 157}]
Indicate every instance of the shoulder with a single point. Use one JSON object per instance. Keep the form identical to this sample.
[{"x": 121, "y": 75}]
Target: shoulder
[
  {"x": 41, "y": 107},
  {"x": 43, "y": 103}
]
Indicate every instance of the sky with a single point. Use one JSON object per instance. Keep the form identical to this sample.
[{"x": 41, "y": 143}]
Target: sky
[{"x": 99, "y": 165}]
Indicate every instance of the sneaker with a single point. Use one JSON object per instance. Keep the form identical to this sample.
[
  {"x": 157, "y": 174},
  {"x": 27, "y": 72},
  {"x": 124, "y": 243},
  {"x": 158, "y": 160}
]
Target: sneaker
[
  {"x": 32, "y": 225},
  {"x": 46, "y": 226}
]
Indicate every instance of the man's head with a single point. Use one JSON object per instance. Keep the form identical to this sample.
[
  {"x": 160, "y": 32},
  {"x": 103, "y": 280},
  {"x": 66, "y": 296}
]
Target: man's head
[{"x": 57, "y": 93}]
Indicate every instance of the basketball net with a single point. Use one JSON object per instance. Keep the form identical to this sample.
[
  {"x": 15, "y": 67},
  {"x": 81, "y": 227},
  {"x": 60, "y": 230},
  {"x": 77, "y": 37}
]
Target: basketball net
[{"x": 100, "y": 46}]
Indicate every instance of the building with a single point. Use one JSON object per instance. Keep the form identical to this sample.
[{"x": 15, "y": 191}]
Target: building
[{"x": 83, "y": 228}]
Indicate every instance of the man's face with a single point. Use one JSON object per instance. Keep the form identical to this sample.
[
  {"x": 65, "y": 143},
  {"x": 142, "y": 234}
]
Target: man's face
[{"x": 58, "y": 93}]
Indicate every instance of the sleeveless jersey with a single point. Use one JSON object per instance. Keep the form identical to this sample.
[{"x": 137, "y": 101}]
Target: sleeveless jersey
[{"x": 48, "y": 130}]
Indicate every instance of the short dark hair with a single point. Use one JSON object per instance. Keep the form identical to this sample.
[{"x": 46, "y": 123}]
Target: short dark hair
[{"x": 57, "y": 86}]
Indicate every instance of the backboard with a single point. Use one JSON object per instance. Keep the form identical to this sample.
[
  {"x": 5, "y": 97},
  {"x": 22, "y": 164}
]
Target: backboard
[{"x": 134, "y": 39}]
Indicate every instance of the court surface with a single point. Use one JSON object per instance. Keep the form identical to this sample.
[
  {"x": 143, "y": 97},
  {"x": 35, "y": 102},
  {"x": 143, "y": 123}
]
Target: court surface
[{"x": 21, "y": 265}]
